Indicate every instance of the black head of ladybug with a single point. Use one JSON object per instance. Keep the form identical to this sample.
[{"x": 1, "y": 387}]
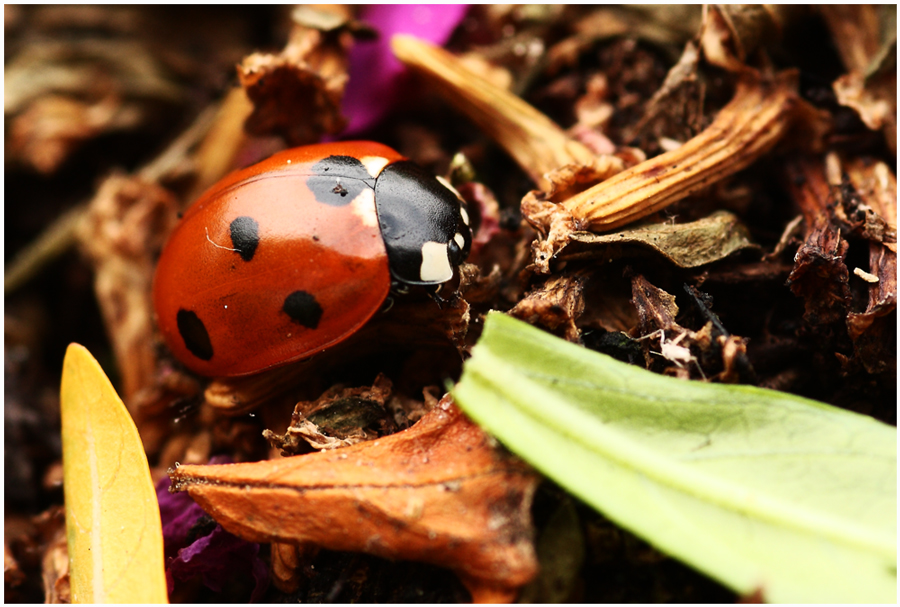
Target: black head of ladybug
[{"x": 424, "y": 223}]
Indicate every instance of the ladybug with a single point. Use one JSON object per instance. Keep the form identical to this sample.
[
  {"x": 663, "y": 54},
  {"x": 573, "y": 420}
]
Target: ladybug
[{"x": 283, "y": 259}]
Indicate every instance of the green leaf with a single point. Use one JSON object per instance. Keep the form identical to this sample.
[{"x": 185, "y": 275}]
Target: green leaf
[
  {"x": 112, "y": 517},
  {"x": 759, "y": 489}
]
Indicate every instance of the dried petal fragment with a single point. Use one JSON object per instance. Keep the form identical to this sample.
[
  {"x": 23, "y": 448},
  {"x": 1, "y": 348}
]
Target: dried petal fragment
[
  {"x": 439, "y": 492},
  {"x": 306, "y": 79},
  {"x": 537, "y": 143}
]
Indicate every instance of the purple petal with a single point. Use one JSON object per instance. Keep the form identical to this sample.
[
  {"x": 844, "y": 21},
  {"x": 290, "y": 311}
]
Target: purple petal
[
  {"x": 217, "y": 556},
  {"x": 375, "y": 74}
]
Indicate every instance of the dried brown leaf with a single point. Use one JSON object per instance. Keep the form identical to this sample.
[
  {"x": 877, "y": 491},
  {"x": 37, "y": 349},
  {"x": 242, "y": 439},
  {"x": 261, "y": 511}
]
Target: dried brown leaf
[
  {"x": 439, "y": 492},
  {"x": 675, "y": 110},
  {"x": 859, "y": 31},
  {"x": 866, "y": 38}
]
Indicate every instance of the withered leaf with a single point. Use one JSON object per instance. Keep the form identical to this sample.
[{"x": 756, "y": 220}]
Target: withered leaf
[
  {"x": 687, "y": 245},
  {"x": 439, "y": 492}
]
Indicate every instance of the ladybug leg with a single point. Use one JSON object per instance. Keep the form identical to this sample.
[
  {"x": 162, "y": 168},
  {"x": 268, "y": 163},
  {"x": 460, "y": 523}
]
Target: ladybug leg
[{"x": 440, "y": 301}]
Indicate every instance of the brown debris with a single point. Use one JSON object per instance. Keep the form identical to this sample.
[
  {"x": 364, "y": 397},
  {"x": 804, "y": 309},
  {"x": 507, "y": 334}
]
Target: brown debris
[
  {"x": 819, "y": 275},
  {"x": 731, "y": 33},
  {"x": 579, "y": 97},
  {"x": 339, "y": 418},
  {"x": 306, "y": 79},
  {"x": 439, "y": 492},
  {"x": 877, "y": 188},
  {"x": 125, "y": 227},
  {"x": 711, "y": 347},
  {"x": 866, "y": 38},
  {"x": 556, "y": 304},
  {"x": 60, "y": 94},
  {"x": 754, "y": 120}
]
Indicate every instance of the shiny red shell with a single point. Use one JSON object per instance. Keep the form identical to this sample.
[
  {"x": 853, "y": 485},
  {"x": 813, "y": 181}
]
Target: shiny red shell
[{"x": 334, "y": 254}]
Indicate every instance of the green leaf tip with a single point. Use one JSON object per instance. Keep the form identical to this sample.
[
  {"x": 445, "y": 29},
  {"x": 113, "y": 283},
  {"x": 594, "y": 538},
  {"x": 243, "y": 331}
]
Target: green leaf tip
[{"x": 759, "y": 489}]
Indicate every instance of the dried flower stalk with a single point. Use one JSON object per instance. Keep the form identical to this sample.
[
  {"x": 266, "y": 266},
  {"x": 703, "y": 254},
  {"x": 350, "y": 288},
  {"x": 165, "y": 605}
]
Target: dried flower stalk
[
  {"x": 745, "y": 129},
  {"x": 534, "y": 141}
]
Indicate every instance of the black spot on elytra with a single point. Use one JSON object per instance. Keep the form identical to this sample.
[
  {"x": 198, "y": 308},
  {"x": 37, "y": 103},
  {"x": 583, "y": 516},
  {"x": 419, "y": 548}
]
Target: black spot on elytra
[
  {"x": 245, "y": 236},
  {"x": 194, "y": 334},
  {"x": 337, "y": 180},
  {"x": 303, "y": 308}
]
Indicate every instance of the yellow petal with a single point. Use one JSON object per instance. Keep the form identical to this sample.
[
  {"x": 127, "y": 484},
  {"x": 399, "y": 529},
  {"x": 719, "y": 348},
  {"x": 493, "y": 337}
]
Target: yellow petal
[{"x": 112, "y": 516}]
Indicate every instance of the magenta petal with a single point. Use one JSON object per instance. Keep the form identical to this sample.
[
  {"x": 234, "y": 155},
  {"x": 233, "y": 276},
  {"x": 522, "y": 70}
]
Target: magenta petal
[
  {"x": 375, "y": 73},
  {"x": 216, "y": 556}
]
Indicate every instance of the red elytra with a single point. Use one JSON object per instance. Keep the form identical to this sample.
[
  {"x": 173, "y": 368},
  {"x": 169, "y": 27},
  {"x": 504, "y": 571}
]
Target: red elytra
[{"x": 259, "y": 272}]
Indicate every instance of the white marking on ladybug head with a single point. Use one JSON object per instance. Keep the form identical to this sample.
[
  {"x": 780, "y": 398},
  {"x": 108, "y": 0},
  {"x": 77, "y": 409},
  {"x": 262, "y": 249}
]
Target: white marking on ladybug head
[
  {"x": 464, "y": 214},
  {"x": 374, "y": 164},
  {"x": 447, "y": 185},
  {"x": 363, "y": 206},
  {"x": 435, "y": 263},
  {"x": 460, "y": 240}
]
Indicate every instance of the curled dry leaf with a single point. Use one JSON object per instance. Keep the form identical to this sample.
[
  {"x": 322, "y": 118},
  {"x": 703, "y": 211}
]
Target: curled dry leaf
[
  {"x": 676, "y": 110},
  {"x": 745, "y": 129},
  {"x": 687, "y": 245},
  {"x": 439, "y": 492},
  {"x": 51, "y": 530},
  {"x": 308, "y": 78},
  {"x": 865, "y": 36}
]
